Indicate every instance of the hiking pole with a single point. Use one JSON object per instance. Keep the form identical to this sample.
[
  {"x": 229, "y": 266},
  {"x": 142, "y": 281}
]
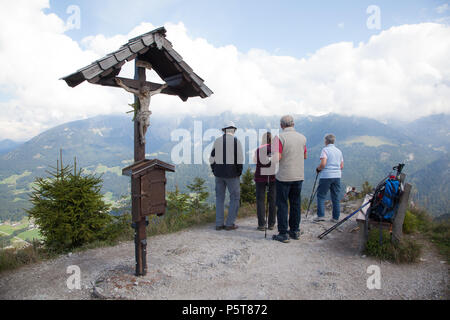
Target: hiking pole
[
  {"x": 313, "y": 194},
  {"x": 267, "y": 208},
  {"x": 342, "y": 221}
]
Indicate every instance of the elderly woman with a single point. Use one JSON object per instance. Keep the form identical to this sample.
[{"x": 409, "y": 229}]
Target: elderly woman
[
  {"x": 330, "y": 169},
  {"x": 265, "y": 180}
]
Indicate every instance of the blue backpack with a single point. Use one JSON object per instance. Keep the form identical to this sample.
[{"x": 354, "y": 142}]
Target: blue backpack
[
  {"x": 385, "y": 200},
  {"x": 390, "y": 197},
  {"x": 384, "y": 203}
]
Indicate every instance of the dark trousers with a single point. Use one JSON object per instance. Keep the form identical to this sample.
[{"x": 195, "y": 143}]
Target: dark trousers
[
  {"x": 260, "y": 203},
  {"x": 288, "y": 191}
]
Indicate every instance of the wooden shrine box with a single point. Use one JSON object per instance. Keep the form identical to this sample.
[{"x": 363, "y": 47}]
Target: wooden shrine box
[{"x": 148, "y": 186}]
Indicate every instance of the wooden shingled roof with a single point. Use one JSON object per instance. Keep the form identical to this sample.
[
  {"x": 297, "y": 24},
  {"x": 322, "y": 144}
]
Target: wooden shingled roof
[
  {"x": 154, "y": 48},
  {"x": 143, "y": 166}
]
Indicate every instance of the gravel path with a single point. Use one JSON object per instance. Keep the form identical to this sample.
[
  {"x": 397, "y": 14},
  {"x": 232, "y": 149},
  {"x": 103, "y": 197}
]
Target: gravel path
[{"x": 202, "y": 263}]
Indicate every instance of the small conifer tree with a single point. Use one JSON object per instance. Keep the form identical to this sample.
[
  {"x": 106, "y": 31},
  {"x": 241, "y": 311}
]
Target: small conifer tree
[
  {"x": 200, "y": 194},
  {"x": 69, "y": 209},
  {"x": 177, "y": 201},
  {"x": 248, "y": 188}
]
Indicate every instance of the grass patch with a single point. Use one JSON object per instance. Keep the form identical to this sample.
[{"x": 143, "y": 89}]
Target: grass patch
[
  {"x": 438, "y": 232},
  {"x": 7, "y": 229},
  {"x": 417, "y": 221},
  {"x": 369, "y": 141},
  {"x": 30, "y": 235},
  {"x": 407, "y": 251},
  {"x": 15, "y": 258}
]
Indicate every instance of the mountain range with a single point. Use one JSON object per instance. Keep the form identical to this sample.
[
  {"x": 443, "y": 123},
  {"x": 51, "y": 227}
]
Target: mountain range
[
  {"x": 7, "y": 145},
  {"x": 104, "y": 145}
]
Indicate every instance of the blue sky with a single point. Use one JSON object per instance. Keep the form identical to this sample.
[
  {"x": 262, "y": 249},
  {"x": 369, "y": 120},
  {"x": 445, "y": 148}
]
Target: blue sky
[{"x": 294, "y": 28}]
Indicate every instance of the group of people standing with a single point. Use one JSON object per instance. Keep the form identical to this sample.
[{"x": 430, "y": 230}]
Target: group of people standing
[{"x": 279, "y": 173}]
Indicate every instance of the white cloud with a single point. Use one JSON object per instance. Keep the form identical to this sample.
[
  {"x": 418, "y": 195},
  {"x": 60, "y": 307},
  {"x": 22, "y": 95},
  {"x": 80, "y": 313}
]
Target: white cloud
[
  {"x": 401, "y": 72},
  {"x": 443, "y": 8}
]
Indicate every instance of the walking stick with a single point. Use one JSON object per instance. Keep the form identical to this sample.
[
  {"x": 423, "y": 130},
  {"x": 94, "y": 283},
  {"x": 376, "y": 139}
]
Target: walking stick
[
  {"x": 313, "y": 194},
  {"x": 267, "y": 208},
  {"x": 342, "y": 221}
]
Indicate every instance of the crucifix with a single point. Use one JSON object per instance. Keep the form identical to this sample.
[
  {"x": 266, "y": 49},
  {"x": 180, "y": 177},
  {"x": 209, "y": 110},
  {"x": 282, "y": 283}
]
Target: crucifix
[
  {"x": 144, "y": 95},
  {"x": 150, "y": 51},
  {"x": 142, "y": 99}
]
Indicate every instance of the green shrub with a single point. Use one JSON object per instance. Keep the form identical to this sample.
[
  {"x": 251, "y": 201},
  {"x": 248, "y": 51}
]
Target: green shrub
[
  {"x": 8, "y": 259},
  {"x": 424, "y": 220},
  {"x": 69, "y": 209},
  {"x": 27, "y": 255},
  {"x": 407, "y": 251},
  {"x": 411, "y": 223},
  {"x": 174, "y": 221},
  {"x": 177, "y": 201},
  {"x": 119, "y": 229},
  {"x": 14, "y": 258}
]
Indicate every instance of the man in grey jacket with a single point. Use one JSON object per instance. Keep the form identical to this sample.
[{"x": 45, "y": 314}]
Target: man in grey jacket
[
  {"x": 226, "y": 163},
  {"x": 289, "y": 150}
]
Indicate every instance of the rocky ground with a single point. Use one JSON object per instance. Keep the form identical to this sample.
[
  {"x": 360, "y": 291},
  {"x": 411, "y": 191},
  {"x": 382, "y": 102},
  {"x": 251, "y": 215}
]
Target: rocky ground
[{"x": 202, "y": 263}]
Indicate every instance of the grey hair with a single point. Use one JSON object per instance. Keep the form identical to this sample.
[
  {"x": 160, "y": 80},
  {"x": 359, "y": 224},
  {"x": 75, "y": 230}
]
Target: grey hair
[
  {"x": 287, "y": 121},
  {"x": 330, "y": 138}
]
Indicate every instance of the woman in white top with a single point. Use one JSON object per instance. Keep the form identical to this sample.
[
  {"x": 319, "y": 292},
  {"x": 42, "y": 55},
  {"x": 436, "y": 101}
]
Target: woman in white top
[{"x": 330, "y": 169}]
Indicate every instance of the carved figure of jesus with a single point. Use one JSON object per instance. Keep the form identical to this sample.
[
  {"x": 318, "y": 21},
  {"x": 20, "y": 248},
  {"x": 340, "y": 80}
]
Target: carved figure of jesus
[{"x": 143, "y": 114}]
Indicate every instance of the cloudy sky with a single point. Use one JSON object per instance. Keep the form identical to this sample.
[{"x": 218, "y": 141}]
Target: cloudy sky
[{"x": 377, "y": 59}]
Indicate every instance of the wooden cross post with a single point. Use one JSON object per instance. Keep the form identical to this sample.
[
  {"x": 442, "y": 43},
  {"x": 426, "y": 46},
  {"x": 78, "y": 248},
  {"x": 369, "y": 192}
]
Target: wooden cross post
[
  {"x": 140, "y": 237},
  {"x": 150, "y": 50},
  {"x": 397, "y": 226}
]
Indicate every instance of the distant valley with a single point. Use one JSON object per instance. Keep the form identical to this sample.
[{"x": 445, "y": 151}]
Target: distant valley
[{"x": 104, "y": 145}]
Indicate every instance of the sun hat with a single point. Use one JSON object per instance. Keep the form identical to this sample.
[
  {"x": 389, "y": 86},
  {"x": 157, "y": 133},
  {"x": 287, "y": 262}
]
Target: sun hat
[{"x": 228, "y": 125}]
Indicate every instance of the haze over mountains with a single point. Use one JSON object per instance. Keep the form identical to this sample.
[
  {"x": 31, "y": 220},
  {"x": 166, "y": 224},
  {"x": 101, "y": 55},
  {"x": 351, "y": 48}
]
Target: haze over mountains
[
  {"x": 7, "y": 145},
  {"x": 104, "y": 145}
]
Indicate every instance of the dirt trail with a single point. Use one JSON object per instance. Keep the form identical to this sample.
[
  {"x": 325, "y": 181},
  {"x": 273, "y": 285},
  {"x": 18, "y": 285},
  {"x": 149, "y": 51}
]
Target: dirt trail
[{"x": 202, "y": 263}]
